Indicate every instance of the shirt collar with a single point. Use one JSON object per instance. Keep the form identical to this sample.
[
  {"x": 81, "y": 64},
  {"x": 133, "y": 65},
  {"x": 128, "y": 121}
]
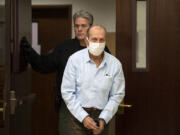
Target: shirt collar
[
  {"x": 104, "y": 62},
  {"x": 88, "y": 59}
]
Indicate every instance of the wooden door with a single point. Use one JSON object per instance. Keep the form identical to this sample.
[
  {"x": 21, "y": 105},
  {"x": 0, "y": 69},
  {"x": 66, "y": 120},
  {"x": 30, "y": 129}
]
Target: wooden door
[
  {"x": 54, "y": 26},
  {"x": 15, "y": 76},
  {"x": 154, "y": 93},
  {"x": 2, "y": 75}
]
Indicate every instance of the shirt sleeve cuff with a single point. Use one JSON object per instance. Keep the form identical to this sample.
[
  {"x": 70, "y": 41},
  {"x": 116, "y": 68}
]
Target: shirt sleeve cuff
[
  {"x": 105, "y": 117},
  {"x": 83, "y": 115}
]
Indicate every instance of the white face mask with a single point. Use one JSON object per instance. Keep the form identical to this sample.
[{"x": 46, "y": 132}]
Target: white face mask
[{"x": 96, "y": 49}]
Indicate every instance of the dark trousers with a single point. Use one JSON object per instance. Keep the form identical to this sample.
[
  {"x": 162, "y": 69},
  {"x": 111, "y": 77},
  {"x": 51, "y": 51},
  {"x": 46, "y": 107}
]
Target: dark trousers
[{"x": 69, "y": 125}]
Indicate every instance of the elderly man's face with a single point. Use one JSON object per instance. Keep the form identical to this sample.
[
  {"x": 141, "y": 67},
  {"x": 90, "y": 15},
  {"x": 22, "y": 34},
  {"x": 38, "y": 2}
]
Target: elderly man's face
[
  {"x": 81, "y": 27},
  {"x": 97, "y": 34}
]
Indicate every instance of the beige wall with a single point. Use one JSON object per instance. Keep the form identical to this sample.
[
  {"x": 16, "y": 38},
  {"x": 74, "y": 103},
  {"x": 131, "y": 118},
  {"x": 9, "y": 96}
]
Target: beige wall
[{"x": 111, "y": 42}]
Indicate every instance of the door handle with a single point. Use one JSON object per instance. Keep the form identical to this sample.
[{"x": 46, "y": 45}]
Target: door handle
[
  {"x": 27, "y": 99},
  {"x": 17, "y": 102},
  {"x": 2, "y": 109},
  {"x": 125, "y": 105},
  {"x": 12, "y": 102},
  {"x": 121, "y": 108}
]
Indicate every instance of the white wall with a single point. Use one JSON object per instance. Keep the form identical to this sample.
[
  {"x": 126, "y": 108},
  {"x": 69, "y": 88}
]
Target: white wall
[{"x": 104, "y": 11}]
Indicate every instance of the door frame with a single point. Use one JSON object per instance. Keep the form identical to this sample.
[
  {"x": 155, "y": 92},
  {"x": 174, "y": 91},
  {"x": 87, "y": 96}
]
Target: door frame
[
  {"x": 8, "y": 51},
  {"x": 13, "y": 33}
]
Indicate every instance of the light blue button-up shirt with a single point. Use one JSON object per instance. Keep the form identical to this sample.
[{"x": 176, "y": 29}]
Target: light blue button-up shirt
[{"x": 85, "y": 85}]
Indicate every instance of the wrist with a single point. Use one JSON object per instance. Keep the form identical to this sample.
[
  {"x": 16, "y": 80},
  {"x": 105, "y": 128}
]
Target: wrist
[
  {"x": 101, "y": 119},
  {"x": 85, "y": 118}
]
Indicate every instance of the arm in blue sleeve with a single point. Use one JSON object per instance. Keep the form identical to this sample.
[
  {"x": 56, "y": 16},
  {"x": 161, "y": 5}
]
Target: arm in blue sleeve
[
  {"x": 69, "y": 93},
  {"x": 115, "y": 97}
]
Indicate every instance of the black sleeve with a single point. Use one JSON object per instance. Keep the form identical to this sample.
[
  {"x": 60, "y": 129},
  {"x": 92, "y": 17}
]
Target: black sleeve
[
  {"x": 47, "y": 63},
  {"x": 107, "y": 49}
]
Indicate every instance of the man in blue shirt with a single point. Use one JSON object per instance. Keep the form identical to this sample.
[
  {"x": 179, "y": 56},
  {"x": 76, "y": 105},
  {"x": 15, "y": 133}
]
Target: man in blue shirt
[{"x": 93, "y": 86}]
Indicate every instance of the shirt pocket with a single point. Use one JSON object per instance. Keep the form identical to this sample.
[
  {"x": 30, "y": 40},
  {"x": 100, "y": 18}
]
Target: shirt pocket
[{"x": 105, "y": 83}]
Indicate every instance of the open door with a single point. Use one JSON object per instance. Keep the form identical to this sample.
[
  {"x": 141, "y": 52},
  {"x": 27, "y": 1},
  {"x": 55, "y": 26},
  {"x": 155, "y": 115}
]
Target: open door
[
  {"x": 153, "y": 89},
  {"x": 15, "y": 83}
]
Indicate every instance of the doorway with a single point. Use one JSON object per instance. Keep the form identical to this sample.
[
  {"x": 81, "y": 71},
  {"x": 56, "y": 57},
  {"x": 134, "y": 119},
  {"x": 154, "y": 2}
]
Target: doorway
[{"x": 54, "y": 26}]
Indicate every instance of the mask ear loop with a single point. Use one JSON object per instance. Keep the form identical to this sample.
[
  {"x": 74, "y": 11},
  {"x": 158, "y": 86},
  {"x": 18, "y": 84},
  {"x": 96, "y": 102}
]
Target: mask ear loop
[{"x": 86, "y": 41}]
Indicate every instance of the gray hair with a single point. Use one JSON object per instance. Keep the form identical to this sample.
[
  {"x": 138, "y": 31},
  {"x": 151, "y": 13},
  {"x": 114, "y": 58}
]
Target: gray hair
[
  {"x": 83, "y": 14},
  {"x": 96, "y": 26}
]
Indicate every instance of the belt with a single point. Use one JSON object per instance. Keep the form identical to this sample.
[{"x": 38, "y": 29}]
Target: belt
[{"x": 92, "y": 109}]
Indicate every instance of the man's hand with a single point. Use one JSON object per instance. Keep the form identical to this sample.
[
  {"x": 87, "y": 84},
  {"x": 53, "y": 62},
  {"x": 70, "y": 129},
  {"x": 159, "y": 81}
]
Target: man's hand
[
  {"x": 25, "y": 48},
  {"x": 25, "y": 44},
  {"x": 100, "y": 128},
  {"x": 89, "y": 123}
]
